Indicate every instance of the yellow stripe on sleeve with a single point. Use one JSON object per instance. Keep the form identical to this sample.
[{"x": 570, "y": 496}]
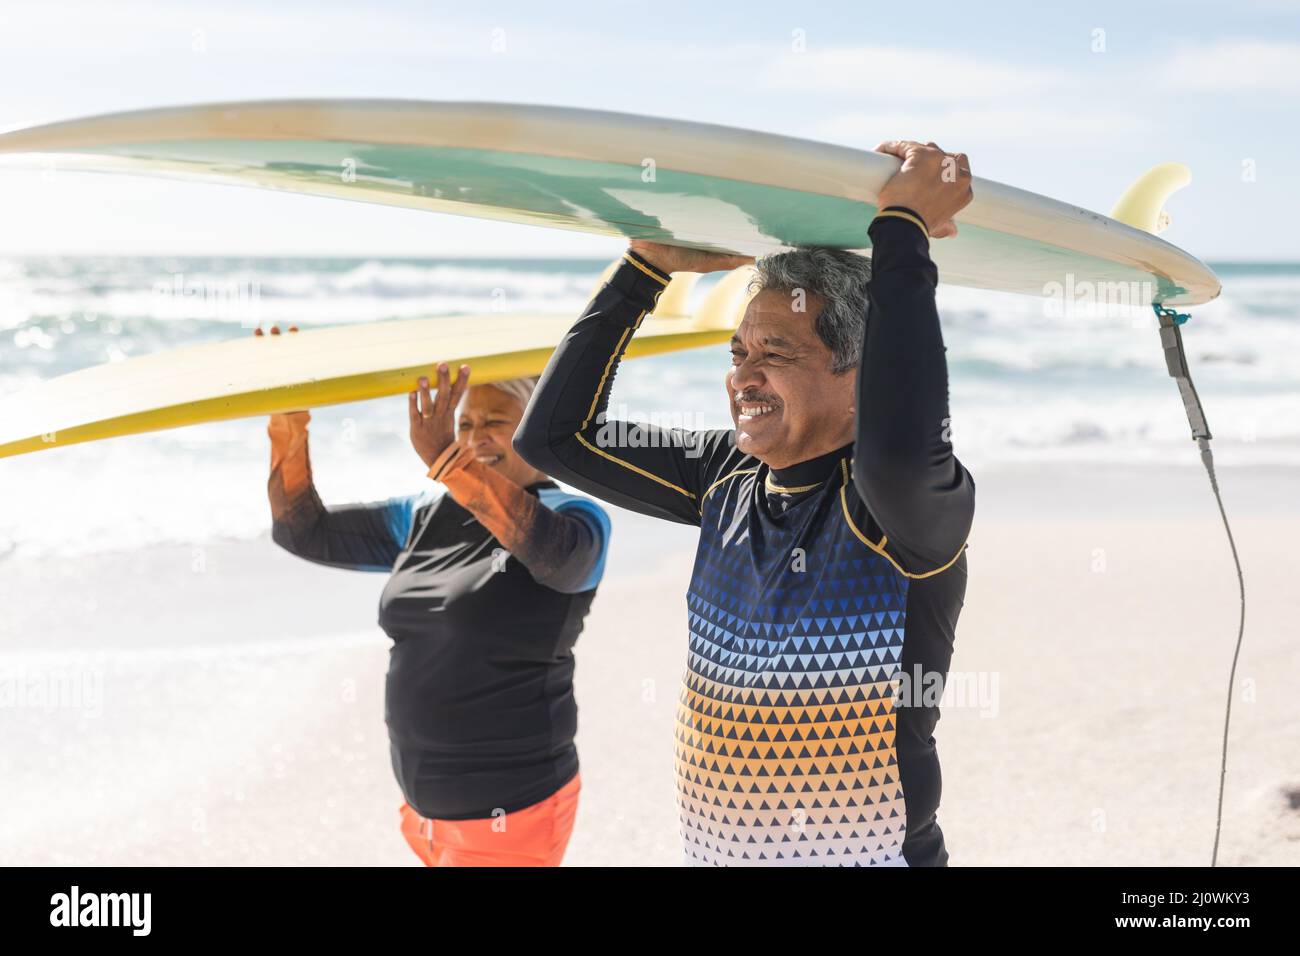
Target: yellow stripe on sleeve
[
  {"x": 895, "y": 214},
  {"x": 879, "y": 547},
  {"x": 631, "y": 467},
  {"x": 654, "y": 275}
]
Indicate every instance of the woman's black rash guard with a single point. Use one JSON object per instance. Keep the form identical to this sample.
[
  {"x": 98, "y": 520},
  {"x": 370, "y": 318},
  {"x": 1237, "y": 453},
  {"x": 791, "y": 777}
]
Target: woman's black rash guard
[
  {"x": 479, "y": 695},
  {"x": 820, "y": 592}
]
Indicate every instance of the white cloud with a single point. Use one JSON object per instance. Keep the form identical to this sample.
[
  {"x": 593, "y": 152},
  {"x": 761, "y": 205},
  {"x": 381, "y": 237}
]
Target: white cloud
[
  {"x": 90, "y": 28},
  {"x": 903, "y": 74},
  {"x": 1236, "y": 66}
]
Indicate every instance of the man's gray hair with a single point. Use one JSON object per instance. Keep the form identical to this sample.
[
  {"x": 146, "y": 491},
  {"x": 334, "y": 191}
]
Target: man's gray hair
[{"x": 840, "y": 279}]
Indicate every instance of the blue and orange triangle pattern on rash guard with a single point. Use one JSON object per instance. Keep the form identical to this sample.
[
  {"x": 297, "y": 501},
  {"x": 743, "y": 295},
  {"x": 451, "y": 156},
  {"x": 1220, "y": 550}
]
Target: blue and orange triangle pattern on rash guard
[{"x": 785, "y": 723}]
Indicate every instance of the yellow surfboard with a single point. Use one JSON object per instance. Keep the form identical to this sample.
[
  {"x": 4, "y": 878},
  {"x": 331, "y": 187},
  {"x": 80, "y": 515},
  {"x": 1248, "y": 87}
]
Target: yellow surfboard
[{"x": 258, "y": 375}]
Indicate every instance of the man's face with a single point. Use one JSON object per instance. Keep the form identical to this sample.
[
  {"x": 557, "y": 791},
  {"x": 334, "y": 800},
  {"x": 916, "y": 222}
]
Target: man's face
[{"x": 787, "y": 404}]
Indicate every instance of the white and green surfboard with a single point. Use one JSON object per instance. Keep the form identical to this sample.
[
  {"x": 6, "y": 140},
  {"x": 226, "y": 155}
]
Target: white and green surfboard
[{"x": 615, "y": 174}]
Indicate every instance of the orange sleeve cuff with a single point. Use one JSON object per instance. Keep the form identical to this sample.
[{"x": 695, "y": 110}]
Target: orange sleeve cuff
[
  {"x": 453, "y": 458},
  {"x": 288, "y": 434},
  {"x": 492, "y": 498}
]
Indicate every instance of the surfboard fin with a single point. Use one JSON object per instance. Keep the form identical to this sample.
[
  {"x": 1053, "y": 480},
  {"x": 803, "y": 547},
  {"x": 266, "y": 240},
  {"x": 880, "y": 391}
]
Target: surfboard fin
[
  {"x": 604, "y": 277},
  {"x": 672, "y": 301},
  {"x": 1143, "y": 204},
  {"x": 723, "y": 307}
]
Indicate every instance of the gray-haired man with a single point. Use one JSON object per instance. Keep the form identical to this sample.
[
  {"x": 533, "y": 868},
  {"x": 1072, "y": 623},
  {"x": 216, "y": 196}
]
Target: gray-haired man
[{"x": 831, "y": 563}]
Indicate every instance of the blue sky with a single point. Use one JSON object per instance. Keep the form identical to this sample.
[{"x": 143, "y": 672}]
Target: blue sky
[{"x": 1032, "y": 91}]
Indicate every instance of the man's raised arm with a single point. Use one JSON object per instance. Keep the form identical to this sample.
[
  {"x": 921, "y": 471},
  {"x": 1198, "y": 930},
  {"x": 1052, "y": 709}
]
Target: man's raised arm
[
  {"x": 564, "y": 432},
  {"x": 904, "y": 468}
]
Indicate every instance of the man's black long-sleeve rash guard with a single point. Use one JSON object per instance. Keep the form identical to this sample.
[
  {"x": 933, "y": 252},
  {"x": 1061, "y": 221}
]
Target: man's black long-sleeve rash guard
[{"x": 820, "y": 593}]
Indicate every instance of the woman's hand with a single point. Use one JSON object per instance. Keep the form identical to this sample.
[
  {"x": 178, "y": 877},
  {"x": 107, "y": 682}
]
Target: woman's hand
[{"x": 433, "y": 418}]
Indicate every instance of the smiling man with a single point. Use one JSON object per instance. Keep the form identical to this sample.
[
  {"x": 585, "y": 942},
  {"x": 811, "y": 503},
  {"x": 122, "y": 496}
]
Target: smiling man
[{"x": 831, "y": 559}]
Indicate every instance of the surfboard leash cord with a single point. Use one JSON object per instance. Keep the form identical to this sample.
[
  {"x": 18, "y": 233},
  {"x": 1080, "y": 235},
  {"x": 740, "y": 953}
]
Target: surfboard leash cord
[{"x": 1171, "y": 341}]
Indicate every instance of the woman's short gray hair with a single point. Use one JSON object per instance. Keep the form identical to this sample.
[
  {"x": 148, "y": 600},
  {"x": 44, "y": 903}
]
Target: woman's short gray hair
[
  {"x": 840, "y": 280},
  {"x": 518, "y": 388}
]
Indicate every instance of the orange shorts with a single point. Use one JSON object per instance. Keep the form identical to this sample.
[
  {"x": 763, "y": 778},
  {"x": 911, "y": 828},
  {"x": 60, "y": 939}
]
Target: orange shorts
[{"x": 533, "y": 836}]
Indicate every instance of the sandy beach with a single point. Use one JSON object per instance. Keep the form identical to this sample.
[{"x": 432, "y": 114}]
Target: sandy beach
[{"x": 223, "y": 704}]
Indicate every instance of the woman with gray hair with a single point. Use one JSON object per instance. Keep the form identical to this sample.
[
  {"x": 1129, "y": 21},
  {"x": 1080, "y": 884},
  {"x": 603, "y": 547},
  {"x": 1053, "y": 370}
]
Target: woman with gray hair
[{"x": 488, "y": 587}]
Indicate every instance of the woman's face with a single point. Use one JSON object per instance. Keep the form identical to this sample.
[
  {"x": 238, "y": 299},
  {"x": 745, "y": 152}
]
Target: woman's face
[{"x": 488, "y": 419}]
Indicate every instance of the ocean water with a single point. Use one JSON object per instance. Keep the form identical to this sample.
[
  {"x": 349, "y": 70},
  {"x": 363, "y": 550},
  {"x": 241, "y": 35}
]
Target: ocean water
[{"x": 1028, "y": 384}]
